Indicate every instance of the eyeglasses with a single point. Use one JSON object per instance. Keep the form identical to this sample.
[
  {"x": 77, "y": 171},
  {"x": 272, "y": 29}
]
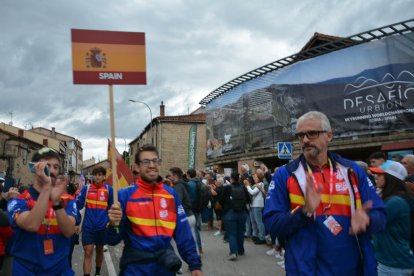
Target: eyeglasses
[
  {"x": 312, "y": 134},
  {"x": 146, "y": 162}
]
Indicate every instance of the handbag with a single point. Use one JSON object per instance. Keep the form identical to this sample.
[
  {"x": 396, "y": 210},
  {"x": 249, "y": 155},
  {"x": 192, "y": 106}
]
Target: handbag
[{"x": 217, "y": 206}]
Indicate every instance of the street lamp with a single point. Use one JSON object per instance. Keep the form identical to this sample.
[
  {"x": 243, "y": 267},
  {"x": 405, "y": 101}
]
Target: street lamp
[
  {"x": 135, "y": 101},
  {"x": 125, "y": 147}
]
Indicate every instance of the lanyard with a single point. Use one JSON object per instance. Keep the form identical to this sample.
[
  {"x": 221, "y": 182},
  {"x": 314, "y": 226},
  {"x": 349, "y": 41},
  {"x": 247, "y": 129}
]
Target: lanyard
[
  {"x": 330, "y": 182},
  {"x": 48, "y": 222}
]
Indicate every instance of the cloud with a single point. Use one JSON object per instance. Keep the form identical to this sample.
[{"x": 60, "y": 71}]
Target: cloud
[{"x": 192, "y": 48}]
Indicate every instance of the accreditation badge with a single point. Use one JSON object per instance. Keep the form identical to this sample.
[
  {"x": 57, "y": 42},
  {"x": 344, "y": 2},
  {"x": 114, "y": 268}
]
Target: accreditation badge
[
  {"x": 332, "y": 225},
  {"x": 48, "y": 246}
]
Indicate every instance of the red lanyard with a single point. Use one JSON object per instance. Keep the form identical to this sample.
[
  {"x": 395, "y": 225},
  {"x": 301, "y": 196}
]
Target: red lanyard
[
  {"x": 48, "y": 222},
  {"x": 331, "y": 172}
]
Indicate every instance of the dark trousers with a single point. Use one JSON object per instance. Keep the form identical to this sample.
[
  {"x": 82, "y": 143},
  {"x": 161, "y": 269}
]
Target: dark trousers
[{"x": 235, "y": 223}]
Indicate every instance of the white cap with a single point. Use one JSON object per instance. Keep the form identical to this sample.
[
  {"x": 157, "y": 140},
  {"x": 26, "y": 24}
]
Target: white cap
[
  {"x": 395, "y": 169},
  {"x": 246, "y": 167}
]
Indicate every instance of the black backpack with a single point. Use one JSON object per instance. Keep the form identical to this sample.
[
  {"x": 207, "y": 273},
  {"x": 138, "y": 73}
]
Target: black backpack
[{"x": 238, "y": 198}]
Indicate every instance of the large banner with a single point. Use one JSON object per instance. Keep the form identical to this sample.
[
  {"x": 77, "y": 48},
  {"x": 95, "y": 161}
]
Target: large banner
[
  {"x": 364, "y": 89},
  {"x": 106, "y": 57}
]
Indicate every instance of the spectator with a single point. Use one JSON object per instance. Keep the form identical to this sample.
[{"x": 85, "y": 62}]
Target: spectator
[
  {"x": 234, "y": 200},
  {"x": 194, "y": 186},
  {"x": 376, "y": 159},
  {"x": 392, "y": 246},
  {"x": 180, "y": 187},
  {"x": 256, "y": 208},
  {"x": 324, "y": 207},
  {"x": 408, "y": 163},
  {"x": 218, "y": 192}
]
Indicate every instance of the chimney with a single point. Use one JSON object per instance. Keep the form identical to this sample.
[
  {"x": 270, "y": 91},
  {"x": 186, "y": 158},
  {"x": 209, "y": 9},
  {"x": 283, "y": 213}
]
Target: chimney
[
  {"x": 53, "y": 132},
  {"x": 162, "y": 110}
]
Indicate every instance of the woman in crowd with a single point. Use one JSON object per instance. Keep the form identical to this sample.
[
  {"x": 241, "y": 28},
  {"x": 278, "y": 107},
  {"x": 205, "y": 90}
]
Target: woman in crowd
[
  {"x": 234, "y": 200},
  {"x": 392, "y": 246},
  {"x": 256, "y": 207}
]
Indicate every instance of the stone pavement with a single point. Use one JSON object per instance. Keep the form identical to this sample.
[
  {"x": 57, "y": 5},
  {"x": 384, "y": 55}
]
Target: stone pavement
[
  {"x": 215, "y": 263},
  {"x": 254, "y": 262}
]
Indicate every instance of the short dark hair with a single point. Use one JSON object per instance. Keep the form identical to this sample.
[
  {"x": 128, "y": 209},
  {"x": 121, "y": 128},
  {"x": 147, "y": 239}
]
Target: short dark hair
[
  {"x": 192, "y": 173},
  {"x": 177, "y": 171},
  {"x": 235, "y": 176},
  {"x": 377, "y": 155},
  {"x": 99, "y": 169},
  {"x": 45, "y": 153},
  {"x": 146, "y": 147}
]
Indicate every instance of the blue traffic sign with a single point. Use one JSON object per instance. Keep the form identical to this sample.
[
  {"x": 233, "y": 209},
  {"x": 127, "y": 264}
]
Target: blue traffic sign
[{"x": 284, "y": 150}]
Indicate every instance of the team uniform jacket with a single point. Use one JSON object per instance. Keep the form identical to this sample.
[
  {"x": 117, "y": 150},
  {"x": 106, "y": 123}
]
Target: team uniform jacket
[
  {"x": 99, "y": 199},
  {"x": 152, "y": 216},
  {"x": 311, "y": 248},
  {"x": 28, "y": 247}
]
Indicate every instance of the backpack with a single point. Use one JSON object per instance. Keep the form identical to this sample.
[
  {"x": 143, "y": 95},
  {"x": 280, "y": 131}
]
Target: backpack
[
  {"x": 205, "y": 196},
  {"x": 238, "y": 198},
  {"x": 195, "y": 195}
]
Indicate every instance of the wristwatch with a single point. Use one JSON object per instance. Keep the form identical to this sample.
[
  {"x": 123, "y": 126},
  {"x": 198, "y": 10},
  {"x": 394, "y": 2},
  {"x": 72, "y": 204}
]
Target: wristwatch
[{"x": 58, "y": 206}]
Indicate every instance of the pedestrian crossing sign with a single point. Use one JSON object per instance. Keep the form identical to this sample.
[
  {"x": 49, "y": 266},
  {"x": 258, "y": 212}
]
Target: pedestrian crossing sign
[{"x": 284, "y": 150}]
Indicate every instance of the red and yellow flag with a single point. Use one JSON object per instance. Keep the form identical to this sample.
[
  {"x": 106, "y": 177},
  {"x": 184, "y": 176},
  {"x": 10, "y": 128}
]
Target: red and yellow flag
[
  {"x": 107, "y": 57},
  {"x": 124, "y": 174}
]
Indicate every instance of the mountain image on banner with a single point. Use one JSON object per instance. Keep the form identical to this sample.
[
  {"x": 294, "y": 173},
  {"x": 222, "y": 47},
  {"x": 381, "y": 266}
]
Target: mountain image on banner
[{"x": 124, "y": 174}]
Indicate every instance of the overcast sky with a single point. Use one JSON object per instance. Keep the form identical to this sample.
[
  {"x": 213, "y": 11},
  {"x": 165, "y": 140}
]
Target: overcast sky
[{"x": 192, "y": 47}]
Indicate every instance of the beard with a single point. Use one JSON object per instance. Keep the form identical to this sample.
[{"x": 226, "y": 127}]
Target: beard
[
  {"x": 151, "y": 180},
  {"x": 312, "y": 153}
]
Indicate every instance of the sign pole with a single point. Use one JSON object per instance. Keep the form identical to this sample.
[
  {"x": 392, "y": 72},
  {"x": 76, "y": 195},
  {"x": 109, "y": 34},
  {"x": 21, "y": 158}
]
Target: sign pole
[{"x": 113, "y": 157}]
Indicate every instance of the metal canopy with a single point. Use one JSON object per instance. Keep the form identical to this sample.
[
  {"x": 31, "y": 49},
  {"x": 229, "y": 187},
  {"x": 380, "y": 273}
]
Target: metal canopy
[{"x": 403, "y": 27}]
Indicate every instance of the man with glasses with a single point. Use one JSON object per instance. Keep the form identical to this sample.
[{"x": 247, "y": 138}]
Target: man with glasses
[
  {"x": 43, "y": 219},
  {"x": 324, "y": 207},
  {"x": 147, "y": 216}
]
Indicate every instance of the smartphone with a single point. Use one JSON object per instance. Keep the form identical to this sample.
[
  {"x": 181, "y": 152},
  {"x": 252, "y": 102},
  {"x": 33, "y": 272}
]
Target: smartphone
[
  {"x": 8, "y": 184},
  {"x": 32, "y": 169}
]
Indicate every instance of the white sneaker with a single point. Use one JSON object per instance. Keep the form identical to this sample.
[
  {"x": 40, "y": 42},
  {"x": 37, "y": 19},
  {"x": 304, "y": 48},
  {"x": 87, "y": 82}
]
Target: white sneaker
[
  {"x": 232, "y": 257},
  {"x": 271, "y": 252},
  {"x": 218, "y": 233}
]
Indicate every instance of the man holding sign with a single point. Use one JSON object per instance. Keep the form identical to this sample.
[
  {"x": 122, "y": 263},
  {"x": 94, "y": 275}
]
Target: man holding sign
[{"x": 147, "y": 216}]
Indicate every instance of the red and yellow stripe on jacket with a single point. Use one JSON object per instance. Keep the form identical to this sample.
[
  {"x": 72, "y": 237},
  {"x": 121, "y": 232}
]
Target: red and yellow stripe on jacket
[
  {"x": 151, "y": 210},
  {"x": 49, "y": 225},
  {"x": 97, "y": 197},
  {"x": 341, "y": 196}
]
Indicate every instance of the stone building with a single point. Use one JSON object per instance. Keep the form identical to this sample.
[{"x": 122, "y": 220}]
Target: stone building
[{"x": 180, "y": 140}]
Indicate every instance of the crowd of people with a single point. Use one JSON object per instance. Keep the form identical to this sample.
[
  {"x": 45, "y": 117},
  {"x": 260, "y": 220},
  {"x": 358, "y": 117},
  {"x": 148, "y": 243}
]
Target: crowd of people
[{"x": 326, "y": 214}]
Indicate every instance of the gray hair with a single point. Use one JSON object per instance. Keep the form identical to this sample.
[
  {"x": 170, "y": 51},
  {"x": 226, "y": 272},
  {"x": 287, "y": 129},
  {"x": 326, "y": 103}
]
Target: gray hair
[
  {"x": 410, "y": 158},
  {"x": 325, "y": 124}
]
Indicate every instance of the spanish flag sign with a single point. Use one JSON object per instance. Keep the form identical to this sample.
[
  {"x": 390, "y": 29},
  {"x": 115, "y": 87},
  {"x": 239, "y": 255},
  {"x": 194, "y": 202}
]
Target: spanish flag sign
[
  {"x": 124, "y": 174},
  {"x": 107, "y": 57}
]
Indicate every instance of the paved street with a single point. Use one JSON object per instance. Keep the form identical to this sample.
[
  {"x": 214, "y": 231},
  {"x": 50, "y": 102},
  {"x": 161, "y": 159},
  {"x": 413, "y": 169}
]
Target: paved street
[{"x": 215, "y": 263}]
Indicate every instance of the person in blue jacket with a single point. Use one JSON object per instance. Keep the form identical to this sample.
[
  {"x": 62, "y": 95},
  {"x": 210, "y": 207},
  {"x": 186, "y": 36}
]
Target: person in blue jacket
[
  {"x": 324, "y": 207},
  {"x": 97, "y": 198},
  {"x": 148, "y": 215},
  {"x": 43, "y": 220}
]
